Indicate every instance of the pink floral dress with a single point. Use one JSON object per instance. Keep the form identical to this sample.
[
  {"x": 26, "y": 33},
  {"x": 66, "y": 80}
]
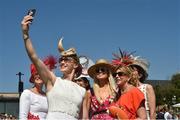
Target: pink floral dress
[{"x": 100, "y": 110}]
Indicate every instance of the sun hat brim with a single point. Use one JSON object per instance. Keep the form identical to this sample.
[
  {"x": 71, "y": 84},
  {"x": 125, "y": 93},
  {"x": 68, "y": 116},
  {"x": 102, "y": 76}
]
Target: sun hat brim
[{"x": 92, "y": 69}]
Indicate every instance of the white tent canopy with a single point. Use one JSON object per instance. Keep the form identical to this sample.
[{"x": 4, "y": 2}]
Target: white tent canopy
[{"x": 176, "y": 105}]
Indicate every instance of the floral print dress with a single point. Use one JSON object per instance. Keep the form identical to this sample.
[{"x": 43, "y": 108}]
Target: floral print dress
[{"x": 99, "y": 110}]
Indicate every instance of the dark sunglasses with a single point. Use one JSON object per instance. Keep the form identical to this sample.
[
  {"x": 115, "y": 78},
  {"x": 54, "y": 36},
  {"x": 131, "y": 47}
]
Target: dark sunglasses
[
  {"x": 36, "y": 77},
  {"x": 65, "y": 59},
  {"x": 101, "y": 69},
  {"x": 119, "y": 74}
]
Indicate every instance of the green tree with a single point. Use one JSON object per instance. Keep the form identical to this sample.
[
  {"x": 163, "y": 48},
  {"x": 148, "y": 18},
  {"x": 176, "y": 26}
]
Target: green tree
[
  {"x": 169, "y": 93},
  {"x": 175, "y": 79}
]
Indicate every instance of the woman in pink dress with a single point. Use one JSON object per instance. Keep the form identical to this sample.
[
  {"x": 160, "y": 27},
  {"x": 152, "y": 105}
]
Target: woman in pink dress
[{"x": 103, "y": 92}]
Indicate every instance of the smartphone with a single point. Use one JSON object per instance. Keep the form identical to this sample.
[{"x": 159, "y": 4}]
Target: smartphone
[{"x": 31, "y": 12}]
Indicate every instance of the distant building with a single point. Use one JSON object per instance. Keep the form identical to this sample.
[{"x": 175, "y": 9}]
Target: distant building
[
  {"x": 9, "y": 103},
  {"x": 155, "y": 83}
]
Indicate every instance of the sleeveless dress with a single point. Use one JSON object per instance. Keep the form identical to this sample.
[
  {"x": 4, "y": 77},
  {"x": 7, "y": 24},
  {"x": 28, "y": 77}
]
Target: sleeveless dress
[
  {"x": 32, "y": 106},
  {"x": 130, "y": 102},
  {"x": 143, "y": 89},
  {"x": 100, "y": 110},
  {"x": 64, "y": 100}
]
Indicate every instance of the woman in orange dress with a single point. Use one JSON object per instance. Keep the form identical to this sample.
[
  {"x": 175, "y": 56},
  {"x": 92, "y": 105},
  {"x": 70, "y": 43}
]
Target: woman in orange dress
[{"x": 130, "y": 104}]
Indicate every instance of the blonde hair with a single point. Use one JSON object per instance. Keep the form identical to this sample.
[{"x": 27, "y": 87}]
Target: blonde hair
[
  {"x": 129, "y": 71},
  {"x": 111, "y": 83}
]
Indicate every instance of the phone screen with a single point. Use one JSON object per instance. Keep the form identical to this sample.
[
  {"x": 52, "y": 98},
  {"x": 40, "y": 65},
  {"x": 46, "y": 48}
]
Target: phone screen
[{"x": 32, "y": 12}]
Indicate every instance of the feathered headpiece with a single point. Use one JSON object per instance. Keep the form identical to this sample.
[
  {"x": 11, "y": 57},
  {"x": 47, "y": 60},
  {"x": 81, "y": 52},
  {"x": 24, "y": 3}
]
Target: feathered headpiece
[
  {"x": 122, "y": 59},
  {"x": 49, "y": 61},
  {"x": 127, "y": 59}
]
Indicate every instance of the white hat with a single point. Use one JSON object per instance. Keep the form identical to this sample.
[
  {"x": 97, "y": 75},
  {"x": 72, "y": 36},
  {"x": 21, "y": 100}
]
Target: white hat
[{"x": 86, "y": 63}]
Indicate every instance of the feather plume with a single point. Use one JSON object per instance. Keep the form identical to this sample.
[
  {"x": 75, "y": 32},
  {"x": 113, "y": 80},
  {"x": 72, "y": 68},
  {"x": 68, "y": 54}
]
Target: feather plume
[{"x": 123, "y": 58}]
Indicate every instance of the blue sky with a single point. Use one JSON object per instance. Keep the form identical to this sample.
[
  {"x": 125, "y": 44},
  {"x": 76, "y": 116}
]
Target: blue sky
[{"x": 96, "y": 28}]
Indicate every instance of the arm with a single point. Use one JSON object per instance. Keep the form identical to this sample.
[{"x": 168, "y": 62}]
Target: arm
[
  {"x": 141, "y": 111},
  {"x": 152, "y": 101},
  {"x": 86, "y": 105},
  {"x": 47, "y": 76},
  {"x": 24, "y": 105}
]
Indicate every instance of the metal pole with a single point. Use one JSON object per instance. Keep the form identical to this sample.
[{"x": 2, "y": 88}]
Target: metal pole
[{"x": 20, "y": 83}]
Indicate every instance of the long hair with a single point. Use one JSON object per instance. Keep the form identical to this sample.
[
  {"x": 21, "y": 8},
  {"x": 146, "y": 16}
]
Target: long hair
[
  {"x": 129, "y": 71},
  {"x": 111, "y": 83}
]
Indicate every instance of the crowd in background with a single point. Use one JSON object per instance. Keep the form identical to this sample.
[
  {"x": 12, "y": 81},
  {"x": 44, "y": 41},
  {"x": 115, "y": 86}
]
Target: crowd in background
[{"x": 5, "y": 116}]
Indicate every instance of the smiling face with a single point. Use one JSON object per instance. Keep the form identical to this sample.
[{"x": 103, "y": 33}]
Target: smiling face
[
  {"x": 101, "y": 73},
  {"x": 67, "y": 64},
  {"x": 122, "y": 76},
  {"x": 37, "y": 80}
]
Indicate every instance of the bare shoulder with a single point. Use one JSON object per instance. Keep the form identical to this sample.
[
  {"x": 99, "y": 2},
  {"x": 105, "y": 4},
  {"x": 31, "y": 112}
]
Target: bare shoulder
[
  {"x": 88, "y": 93},
  {"x": 149, "y": 88}
]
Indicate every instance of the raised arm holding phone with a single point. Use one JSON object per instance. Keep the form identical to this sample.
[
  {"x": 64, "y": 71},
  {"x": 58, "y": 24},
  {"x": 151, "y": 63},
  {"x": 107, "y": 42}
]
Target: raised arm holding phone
[{"x": 64, "y": 96}]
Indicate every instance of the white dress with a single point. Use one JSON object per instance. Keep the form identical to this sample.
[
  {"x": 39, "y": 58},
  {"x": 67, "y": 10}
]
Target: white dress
[
  {"x": 32, "y": 105},
  {"x": 143, "y": 89},
  {"x": 65, "y": 100}
]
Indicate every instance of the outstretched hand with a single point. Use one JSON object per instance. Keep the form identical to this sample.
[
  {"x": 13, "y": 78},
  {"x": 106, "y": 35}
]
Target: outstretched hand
[{"x": 25, "y": 23}]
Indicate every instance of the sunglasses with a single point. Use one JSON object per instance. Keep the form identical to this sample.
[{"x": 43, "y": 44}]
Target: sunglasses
[
  {"x": 119, "y": 74},
  {"x": 66, "y": 59},
  {"x": 36, "y": 77},
  {"x": 101, "y": 69}
]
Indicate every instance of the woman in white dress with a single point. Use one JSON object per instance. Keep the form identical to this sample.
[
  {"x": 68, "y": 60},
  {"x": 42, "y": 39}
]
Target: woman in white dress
[
  {"x": 140, "y": 67},
  {"x": 64, "y": 96},
  {"x": 33, "y": 101}
]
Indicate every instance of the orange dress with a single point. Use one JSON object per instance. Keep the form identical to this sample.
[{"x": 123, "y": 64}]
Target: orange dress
[{"x": 129, "y": 103}]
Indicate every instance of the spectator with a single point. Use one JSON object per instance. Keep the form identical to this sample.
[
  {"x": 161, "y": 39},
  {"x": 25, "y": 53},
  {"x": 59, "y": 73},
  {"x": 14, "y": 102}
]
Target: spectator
[
  {"x": 103, "y": 93},
  {"x": 33, "y": 101},
  {"x": 64, "y": 96},
  {"x": 83, "y": 82}
]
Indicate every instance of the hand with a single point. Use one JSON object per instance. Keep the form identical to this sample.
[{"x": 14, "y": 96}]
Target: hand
[
  {"x": 25, "y": 23},
  {"x": 117, "y": 112}
]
